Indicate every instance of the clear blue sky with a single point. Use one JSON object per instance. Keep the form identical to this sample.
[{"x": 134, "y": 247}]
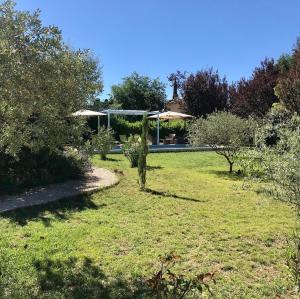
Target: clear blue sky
[{"x": 157, "y": 37}]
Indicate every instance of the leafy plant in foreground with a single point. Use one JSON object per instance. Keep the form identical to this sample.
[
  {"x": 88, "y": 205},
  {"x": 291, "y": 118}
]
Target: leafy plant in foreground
[{"x": 166, "y": 284}]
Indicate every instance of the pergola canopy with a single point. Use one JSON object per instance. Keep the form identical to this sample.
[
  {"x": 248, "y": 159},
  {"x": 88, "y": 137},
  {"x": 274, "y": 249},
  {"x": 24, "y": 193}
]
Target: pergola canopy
[{"x": 168, "y": 115}]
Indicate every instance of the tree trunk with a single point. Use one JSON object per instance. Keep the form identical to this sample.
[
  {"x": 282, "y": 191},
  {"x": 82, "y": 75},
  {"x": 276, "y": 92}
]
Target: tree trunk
[{"x": 230, "y": 167}]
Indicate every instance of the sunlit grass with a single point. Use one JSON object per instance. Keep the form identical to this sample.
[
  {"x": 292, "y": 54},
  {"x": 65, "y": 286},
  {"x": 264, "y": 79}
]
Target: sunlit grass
[{"x": 192, "y": 207}]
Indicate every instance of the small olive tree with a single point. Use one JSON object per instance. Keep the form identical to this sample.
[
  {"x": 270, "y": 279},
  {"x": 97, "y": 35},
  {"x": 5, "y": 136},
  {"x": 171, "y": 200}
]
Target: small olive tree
[
  {"x": 142, "y": 162},
  {"x": 224, "y": 132},
  {"x": 131, "y": 149},
  {"x": 103, "y": 142}
]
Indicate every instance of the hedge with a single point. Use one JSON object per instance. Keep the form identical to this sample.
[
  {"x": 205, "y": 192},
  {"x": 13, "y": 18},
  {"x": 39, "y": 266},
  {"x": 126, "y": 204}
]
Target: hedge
[{"x": 122, "y": 126}]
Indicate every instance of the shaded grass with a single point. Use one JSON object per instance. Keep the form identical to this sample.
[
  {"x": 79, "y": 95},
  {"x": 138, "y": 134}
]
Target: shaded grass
[{"x": 191, "y": 207}]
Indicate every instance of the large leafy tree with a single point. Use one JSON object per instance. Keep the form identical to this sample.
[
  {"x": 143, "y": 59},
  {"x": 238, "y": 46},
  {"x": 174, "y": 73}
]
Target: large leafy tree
[
  {"x": 42, "y": 81},
  {"x": 204, "y": 92},
  {"x": 139, "y": 92},
  {"x": 288, "y": 87},
  {"x": 256, "y": 95}
]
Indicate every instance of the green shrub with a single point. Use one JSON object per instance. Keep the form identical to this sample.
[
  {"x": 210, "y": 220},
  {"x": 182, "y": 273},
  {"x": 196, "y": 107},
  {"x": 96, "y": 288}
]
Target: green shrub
[
  {"x": 40, "y": 168},
  {"x": 132, "y": 125},
  {"x": 103, "y": 142},
  {"x": 131, "y": 148}
]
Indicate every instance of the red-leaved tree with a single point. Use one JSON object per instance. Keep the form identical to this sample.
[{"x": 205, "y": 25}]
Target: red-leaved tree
[
  {"x": 256, "y": 95},
  {"x": 205, "y": 92}
]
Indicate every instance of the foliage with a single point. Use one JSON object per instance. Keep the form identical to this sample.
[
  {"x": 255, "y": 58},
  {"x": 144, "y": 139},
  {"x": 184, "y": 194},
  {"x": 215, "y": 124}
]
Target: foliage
[
  {"x": 256, "y": 95},
  {"x": 142, "y": 160},
  {"x": 268, "y": 131},
  {"x": 288, "y": 87},
  {"x": 40, "y": 168},
  {"x": 42, "y": 81},
  {"x": 131, "y": 149},
  {"x": 139, "y": 93},
  {"x": 224, "y": 132},
  {"x": 122, "y": 126},
  {"x": 103, "y": 142},
  {"x": 166, "y": 284},
  {"x": 205, "y": 92},
  {"x": 278, "y": 163},
  {"x": 177, "y": 81}
]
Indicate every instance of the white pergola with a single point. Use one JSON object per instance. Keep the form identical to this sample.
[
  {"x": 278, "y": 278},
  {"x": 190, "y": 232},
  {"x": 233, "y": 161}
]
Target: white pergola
[{"x": 168, "y": 115}]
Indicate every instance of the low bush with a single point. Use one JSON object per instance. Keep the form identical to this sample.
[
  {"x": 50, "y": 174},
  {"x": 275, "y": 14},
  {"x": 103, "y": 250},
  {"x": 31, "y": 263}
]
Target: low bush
[
  {"x": 44, "y": 167},
  {"x": 103, "y": 142},
  {"x": 131, "y": 148},
  {"x": 165, "y": 283}
]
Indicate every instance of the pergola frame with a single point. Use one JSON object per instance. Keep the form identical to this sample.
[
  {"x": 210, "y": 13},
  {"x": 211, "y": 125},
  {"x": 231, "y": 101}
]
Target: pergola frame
[{"x": 133, "y": 112}]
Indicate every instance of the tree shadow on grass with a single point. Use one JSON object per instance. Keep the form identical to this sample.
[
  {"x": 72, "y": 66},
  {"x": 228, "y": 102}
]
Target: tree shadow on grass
[
  {"x": 234, "y": 176},
  {"x": 149, "y": 167},
  {"x": 168, "y": 194},
  {"x": 75, "y": 278},
  {"x": 111, "y": 159},
  {"x": 59, "y": 209}
]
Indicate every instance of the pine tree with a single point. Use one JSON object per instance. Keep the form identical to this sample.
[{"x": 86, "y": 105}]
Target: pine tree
[{"x": 142, "y": 162}]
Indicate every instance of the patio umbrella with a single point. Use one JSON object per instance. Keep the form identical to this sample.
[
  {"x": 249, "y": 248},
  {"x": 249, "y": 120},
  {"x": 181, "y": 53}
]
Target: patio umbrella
[
  {"x": 84, "y": 112},
  {"x": 169, "y": 115}
]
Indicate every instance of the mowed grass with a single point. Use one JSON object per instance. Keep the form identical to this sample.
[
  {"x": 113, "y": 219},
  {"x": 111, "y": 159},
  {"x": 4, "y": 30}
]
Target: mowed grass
[{"x": 192, "y": 207}]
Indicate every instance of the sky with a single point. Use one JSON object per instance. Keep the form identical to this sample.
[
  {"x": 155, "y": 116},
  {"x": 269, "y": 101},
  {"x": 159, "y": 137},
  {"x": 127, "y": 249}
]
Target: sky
[{"x": 158, "y": 37}]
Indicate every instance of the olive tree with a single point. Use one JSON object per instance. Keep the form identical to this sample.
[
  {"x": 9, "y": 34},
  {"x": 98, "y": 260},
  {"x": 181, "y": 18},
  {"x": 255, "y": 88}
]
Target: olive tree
[
  {"x": 223, "y": 132},
  {"x": 42, "y": 81}
]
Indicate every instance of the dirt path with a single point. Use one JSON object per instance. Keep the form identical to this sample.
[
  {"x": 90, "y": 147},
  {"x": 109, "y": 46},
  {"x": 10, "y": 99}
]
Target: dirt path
[{"x": 96, "y": 179}]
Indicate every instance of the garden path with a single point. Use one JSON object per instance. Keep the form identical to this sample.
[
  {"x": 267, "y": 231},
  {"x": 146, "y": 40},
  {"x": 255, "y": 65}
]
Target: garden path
[{"x": 95, "y": 179}]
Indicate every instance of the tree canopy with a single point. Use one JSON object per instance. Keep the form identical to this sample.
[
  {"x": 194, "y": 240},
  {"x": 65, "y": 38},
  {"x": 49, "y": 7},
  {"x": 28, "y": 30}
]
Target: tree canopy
[
  {"x": 288, "y": 87},
  {"x": 256, "y": 95},
  {"x": 224, "y": 132},
  {"x": 140, "y": 93},
  {"x": 42, "y": 81},
  {"x": 204, "y": 92}
]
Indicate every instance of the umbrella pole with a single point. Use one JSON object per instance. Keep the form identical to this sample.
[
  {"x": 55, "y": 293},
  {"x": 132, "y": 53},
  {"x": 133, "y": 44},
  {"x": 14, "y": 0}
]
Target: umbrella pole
[{"x": 98, "y": 124}]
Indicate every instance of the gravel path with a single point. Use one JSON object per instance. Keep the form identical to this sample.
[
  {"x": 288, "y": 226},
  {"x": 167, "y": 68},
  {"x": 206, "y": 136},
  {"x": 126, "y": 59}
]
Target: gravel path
[{"x": 96, "y": 179}]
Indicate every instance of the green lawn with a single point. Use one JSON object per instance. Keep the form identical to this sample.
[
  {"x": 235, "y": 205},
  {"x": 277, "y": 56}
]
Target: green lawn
[{"x": 193, "y": 208}]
